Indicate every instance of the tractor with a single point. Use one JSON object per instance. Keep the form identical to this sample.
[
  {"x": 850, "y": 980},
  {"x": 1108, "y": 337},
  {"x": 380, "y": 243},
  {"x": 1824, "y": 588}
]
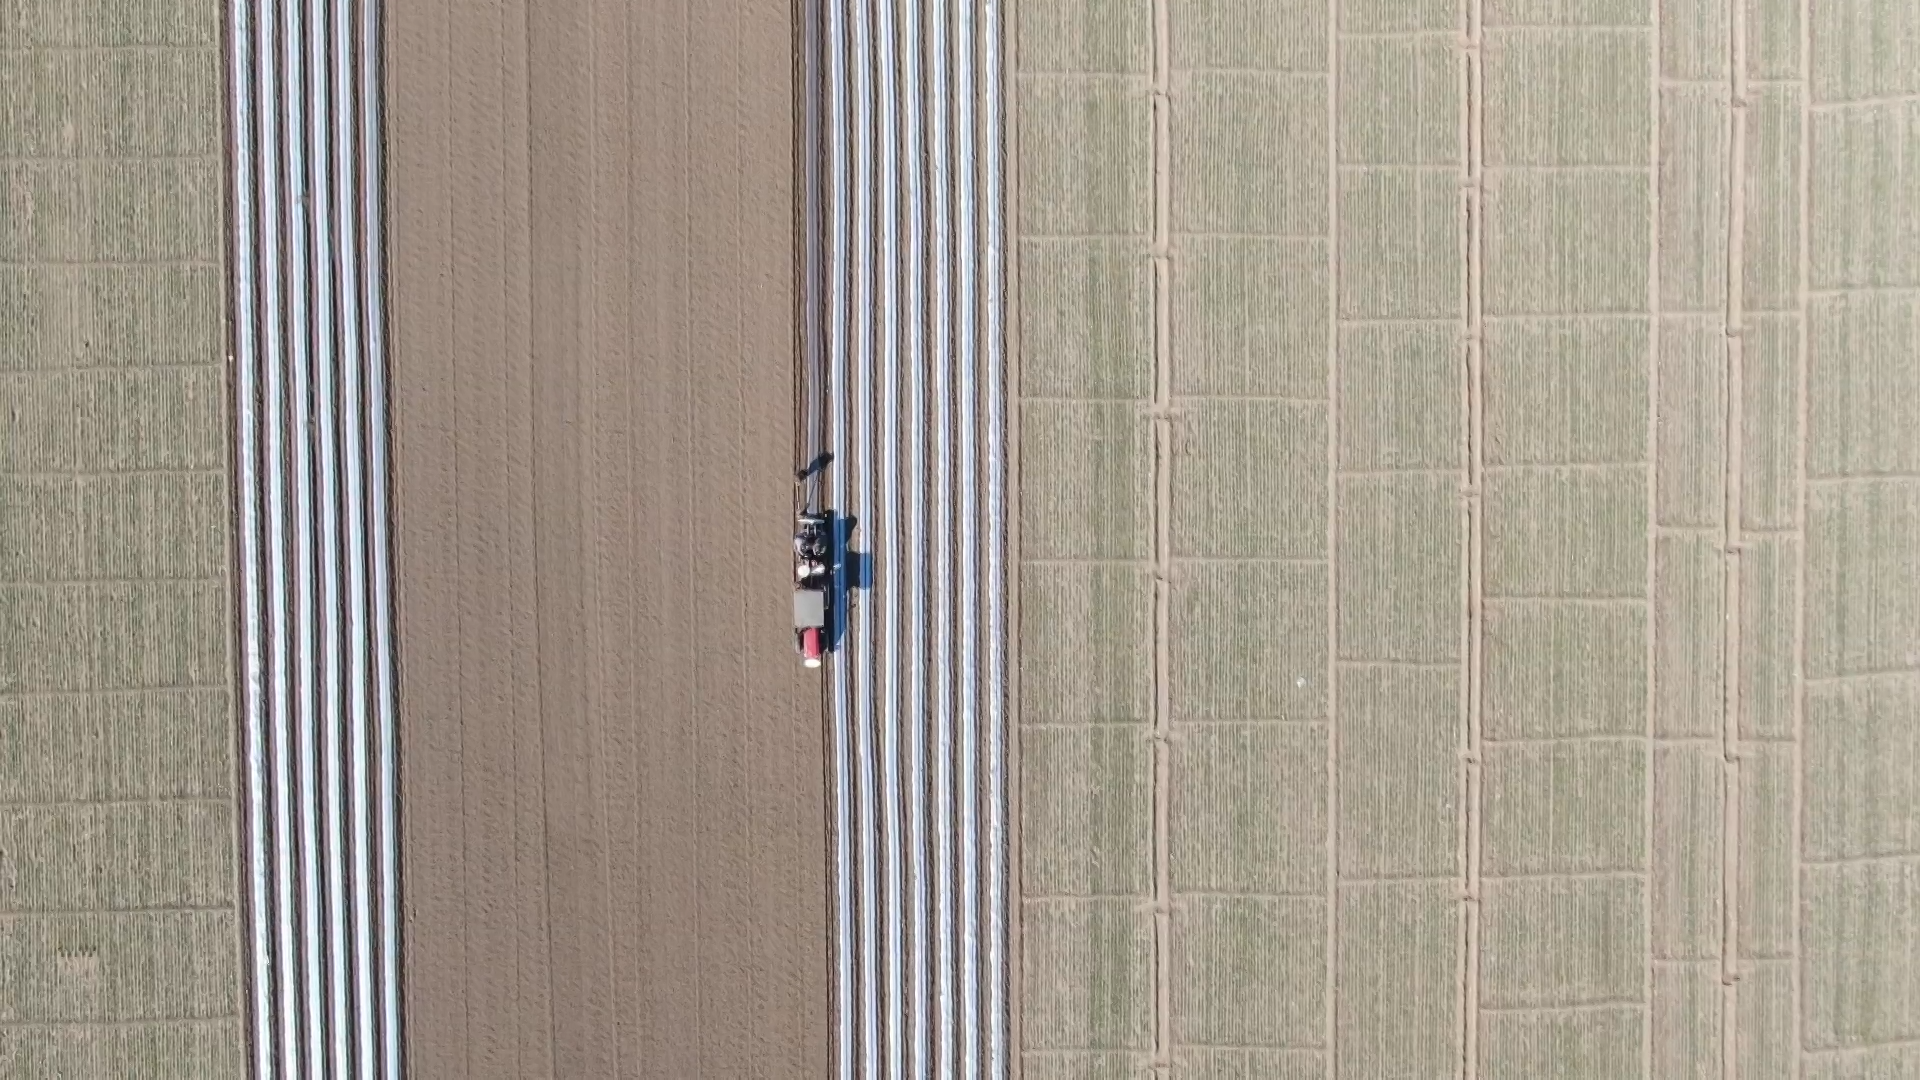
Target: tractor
[{"x": 812, "y": 585}]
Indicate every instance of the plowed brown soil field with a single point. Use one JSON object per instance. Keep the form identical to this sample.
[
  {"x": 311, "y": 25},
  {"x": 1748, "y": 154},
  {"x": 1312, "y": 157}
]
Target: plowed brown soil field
[{"x": 613, "y": 819}]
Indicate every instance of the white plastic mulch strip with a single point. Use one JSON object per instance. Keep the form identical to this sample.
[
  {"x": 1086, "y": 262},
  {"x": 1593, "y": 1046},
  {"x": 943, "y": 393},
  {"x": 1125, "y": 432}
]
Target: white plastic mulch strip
[
  {"x": 905, "y": 383},
  {"x": 311, "y": 492}
]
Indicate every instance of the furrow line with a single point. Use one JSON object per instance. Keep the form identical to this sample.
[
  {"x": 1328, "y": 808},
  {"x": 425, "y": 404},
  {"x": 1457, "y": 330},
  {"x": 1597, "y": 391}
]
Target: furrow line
[
  {"x": 947, "y": 917},
  {"x": 306, "y": 692},
  {"x": 347, "y": 192},
  {"x": 861, "y": 504},
  {"x": 965, "y": 391},
  {"x": 995, "y": 589},
  {"x": 839, "y": 306},
  {"x": 324, "y": 429},
  {"x": 914, "y": 590},
  {"x": 887, "y": 534},
  {"x": 251, "y": 646}
]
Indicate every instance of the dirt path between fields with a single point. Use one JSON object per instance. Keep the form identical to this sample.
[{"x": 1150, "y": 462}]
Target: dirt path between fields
[{"x": 612, "y": 775}]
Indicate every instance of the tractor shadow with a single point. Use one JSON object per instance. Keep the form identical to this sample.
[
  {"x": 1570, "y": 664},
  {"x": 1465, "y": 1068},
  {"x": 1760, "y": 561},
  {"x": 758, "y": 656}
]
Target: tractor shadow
[{"x": 854, "y": 573}]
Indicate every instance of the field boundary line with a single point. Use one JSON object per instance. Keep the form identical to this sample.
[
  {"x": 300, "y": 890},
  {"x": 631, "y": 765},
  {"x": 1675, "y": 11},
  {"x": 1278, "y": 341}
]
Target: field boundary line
[
  {"x": 1474, "y": 586},
  {"x": 1163, "y": 446},
  {"x": 1730, "y": 636},
  {"x": 1332, "y": 540},
  {"x": 1803, "y": 432},
  {"x": 1650, "y": 575}
]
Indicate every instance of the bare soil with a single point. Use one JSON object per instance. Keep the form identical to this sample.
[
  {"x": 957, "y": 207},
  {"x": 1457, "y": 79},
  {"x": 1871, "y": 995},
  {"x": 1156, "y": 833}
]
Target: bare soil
[{"x": 612, "y": 780}]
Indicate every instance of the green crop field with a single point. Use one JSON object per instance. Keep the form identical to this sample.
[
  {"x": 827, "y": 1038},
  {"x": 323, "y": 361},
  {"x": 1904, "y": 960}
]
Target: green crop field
[
  {"x": 1469, "y": 531},
  {"x": 119, "y": 946}
]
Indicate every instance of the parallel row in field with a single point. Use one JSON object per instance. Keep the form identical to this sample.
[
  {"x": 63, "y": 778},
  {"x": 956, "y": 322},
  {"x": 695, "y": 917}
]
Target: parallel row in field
[
  {"x": 119, "y": 943},
  {"x": 903, "y": 379},
  {"x": 1411, "y": 662},
  {"x": 320, "y": 825}
]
